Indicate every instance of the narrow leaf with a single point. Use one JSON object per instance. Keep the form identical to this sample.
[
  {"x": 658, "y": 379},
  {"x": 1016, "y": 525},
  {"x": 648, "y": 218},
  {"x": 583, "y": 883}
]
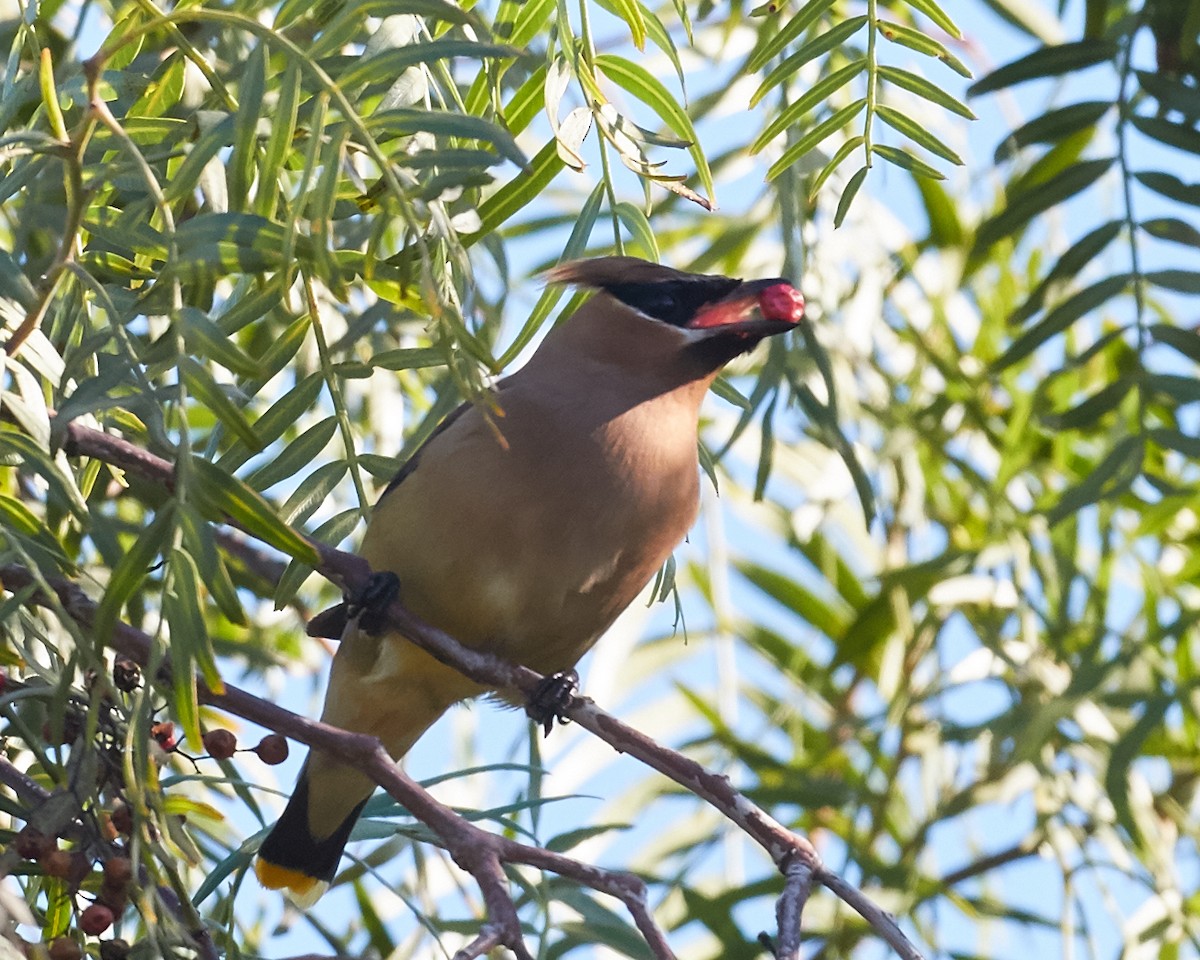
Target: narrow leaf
[
  {"x": 1051, "y": 127},
  {"x": 1061, "y": 317},
  {"x": 907, "y": 80},
  {"x": 1045, "y": 62},
  {"x": 806, "y": 17},
  {"x": 816, "y": 94},
  {"x": 904, "y": 159},
  {"x": 917, "y": 133},
  {"x": 814, "y": 48},
  {"x": 848, "y": 194},
  {"x": 1026, "y": 205},
  {"x": 815, "y": 136}
]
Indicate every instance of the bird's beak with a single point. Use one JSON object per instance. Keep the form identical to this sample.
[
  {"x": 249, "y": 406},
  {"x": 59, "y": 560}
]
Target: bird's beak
[{"x": 757, "y": 308}]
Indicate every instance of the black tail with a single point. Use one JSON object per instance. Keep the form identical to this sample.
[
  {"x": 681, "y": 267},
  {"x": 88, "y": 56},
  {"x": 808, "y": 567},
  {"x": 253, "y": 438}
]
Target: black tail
[{"x": 291, "y": 854}]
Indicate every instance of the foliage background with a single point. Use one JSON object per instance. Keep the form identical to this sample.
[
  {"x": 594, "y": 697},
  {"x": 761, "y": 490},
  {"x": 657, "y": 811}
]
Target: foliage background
[{"x": 942, "y": 616}]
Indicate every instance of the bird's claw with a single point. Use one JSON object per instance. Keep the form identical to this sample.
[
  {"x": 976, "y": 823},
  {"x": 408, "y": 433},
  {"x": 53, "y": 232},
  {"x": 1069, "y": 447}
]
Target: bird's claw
[
  {"x": 551, "y": 698},
  {"x": 369, "y": 604}
]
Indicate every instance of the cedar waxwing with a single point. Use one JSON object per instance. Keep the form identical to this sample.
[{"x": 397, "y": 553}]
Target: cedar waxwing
[{"x": 526, "y": 534}]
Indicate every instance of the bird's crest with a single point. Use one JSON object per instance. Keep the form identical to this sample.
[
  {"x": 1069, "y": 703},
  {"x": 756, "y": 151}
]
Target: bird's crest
[{"x": 602, "y": 273}]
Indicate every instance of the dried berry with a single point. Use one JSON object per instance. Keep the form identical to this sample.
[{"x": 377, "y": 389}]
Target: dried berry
[
  {"x": 122, "y": 819},
  {"x": 272, "y": 749},
  {"x": 164, "y": 735},
  {"x": 32, "y": 844},
  {"x": 57, "y": 863},
  {"x": 220, "y": 744},
  {"x": 95, "y": 919},
  {"x": 117, "y": 872},
  {"x": 127, "y": 675},
  {"x": 64, "y": 948},
  {"x": 114, "y": 950}
]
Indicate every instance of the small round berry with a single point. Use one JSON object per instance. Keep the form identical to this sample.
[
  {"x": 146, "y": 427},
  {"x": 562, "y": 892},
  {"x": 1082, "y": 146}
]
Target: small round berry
[
  {"x": 57, "y": 863},
  {"x": 122, "y": 819},
  {"x": 32, "y": 844},
  {"x": 95, "y": 919},
  {"x": 118, "y": 871},
  {"x": 127, "y": 675},
  {"x": 220, "y": 744},
  {"x": 64, "y": 948},
  {"x": 272, "y": 749},
  {"x": 164, "y": 735}
]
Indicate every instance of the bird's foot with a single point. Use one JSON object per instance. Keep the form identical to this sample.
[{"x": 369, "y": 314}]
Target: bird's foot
[
  {"x": 549, "y": 701},
  {"x": 369, "y": 605}
]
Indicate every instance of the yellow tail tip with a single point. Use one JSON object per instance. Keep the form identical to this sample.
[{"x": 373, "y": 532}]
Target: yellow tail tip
[{"x": 302, "y": 890}]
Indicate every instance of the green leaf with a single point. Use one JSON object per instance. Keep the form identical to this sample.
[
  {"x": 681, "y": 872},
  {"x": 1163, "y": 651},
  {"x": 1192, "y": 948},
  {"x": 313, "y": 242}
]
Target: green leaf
[
  {"x": 1173, "y": 229},
  {"x": 1181, "y": 281},
  {"x": 905, "y": 160},
  {"x": 815, "y": 95},
  {"x": 1045, "y": 62},
  {"x": 575, "y": 247},
  {"x": 639, "y": 227},
  {"x": 408, "y": 358},
  {"x": 388, "y": 64},
  {"x": 1112, "y": 476},
  {"x": 239, "y": 167},
  {"x": 1170, "y": 186},
  {"x": 814, "y": 48},
  {"x": 227, "y": 496},
  {"x": 1052, "y": 126},
  {"x": 918, "y": 134},
  {"x": 1172, "y": 93},
  {"x": 1087, "y": 412},
  {"x": 206, "y": 339},
  {"x": 848, "y": 194},
  {"x": 405, "y": 121},
  {"x": 19, "y": 517},
  {"x": 915, "y": 40},
  {"x": 296, "y": 455},
  {"x": 1061, "y": 317},
  {"x": 270, "y": 426},
  {"x": 1080, "y": 254},
  {"x": 201, "y": 386},
  {"x": 914, "y": 83},
  {"x": 937, "y": 15},
  {"x": 806, "y": 17},
  {"x": 1026, "y": 205},
  {"x": 313, "y": 491},
  {"x": 816, "y": 135},
  {"x": 525, "y": 187},
  {"x": 641, "y": 83},
  {"x": 630, "y": 11},
  {"x": 835, "y": 161},
  {"x": 830, "y": 615},
  {"x": 279, "y": 141},
  {"x": 1125, "y": 752},
  {"x": 191, "y": 647},
  {"x": 1182, "y": 339},
  {"x": 1176, "y": 135},
  {"x": 131, "y": 571},
  {"x": 202, "y": 547}
]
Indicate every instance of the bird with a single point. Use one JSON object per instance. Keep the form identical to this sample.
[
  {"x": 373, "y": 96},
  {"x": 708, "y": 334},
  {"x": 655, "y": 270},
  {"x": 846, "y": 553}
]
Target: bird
[{"x": 526, "y": 530}]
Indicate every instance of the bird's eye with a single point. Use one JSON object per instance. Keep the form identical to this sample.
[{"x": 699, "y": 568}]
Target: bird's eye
[{"x": 663, "y": 305}]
